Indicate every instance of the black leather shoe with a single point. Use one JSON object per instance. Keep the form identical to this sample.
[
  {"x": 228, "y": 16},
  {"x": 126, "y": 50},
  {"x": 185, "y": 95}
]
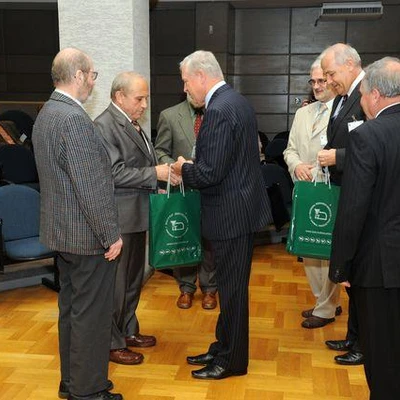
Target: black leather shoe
[
  {"x": 104, "y": 395},
  {"x": 63, "y": 391},
  {"x": 350, "y": 358},
  {"x": 202, "y": 359},
  {"x": 339, "y": 345},
  {"x": 216, "y": 372}
]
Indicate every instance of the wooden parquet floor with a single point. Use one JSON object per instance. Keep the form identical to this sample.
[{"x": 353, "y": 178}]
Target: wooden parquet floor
[{"x": 287, "y": 362}]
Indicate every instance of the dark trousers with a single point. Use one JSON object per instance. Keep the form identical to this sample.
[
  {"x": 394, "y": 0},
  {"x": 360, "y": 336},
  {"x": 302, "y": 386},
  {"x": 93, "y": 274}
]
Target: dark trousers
[
  {"x": 352, "y": 322},
  {"x": 233, "y": 264},
  {"x": 128, "y": 285},
  {"x": 379, "y": 322},
  {"x": 85, "y": 303},
  {"x": 187, "y": 276}
]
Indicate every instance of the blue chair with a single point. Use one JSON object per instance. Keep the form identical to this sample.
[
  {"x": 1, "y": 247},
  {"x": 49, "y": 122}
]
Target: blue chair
[{"x": 19, "y": 228}]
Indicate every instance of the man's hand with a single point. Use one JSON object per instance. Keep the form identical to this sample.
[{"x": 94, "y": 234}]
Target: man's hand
[
  {"x": 177, "y": 166},
  {"x": 162, "y": 172},
  {"x": 327, "y": 158},
  {"x": 303, "y": 172},
  {"x": 114, "y": 250},
  {"x": 345, "y": 284}
]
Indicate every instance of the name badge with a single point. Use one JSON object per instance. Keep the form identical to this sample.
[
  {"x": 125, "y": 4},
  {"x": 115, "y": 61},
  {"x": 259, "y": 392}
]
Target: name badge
[
  {"x": 323, "y": 140},
  {"x": 354, "y": 124}
]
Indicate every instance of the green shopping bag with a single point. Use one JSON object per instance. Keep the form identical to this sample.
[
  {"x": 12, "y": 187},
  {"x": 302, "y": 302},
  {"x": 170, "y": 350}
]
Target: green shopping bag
[
  {"x": 312, "y": 221},
  {"x": 174, "y": 231}
]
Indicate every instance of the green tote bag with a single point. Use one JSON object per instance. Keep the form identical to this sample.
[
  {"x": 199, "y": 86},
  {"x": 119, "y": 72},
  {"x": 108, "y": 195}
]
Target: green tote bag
[
  {"x": 312, "y": 221},
  {"x": 174, "y": 231}
]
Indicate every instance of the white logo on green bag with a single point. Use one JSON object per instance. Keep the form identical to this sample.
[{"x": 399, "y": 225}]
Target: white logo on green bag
[
  {"x": 320, "y": 214},
  {"x": 176, "y": 225}
]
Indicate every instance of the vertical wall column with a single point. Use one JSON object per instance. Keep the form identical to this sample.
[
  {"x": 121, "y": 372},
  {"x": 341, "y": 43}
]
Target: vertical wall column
[{"x": 115, "y": 34}]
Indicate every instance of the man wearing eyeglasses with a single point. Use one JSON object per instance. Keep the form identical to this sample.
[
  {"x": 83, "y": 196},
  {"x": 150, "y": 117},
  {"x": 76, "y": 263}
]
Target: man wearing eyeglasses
[
  {"x": 79, "y": 220},
  {"x": 307, "y": 137},
  {"x": 342, "y": 68}
]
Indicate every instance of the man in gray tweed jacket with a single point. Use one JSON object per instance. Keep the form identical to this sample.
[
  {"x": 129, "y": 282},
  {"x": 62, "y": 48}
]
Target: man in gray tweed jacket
[{"x": 79, "y": 220}]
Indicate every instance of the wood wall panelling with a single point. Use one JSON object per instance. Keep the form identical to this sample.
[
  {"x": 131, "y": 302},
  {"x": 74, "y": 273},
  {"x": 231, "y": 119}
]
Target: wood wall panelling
[
  {"x": 174, "y": 30},
  {"x": 212, "y": 27},
  {"x": 261, "y": 64},
  {"x": 263, "y": 31},
  {"x": 272, "y": 123},
  {"x": 308, "y": 38},
  {"x": 264, "y": 104},
  {"x": 298, "y": 83},
  {"x": 301, "y": 63},
  {"x": 261, "y": 84},
  {"x": 381, "y": 35},
  {"x": 31, "y": 32}
]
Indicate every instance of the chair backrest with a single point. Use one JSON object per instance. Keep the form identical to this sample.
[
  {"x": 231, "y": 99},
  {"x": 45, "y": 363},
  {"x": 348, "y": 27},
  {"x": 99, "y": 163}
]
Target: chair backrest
[
  {"x": 23, "y": 121},
  {"x": 20, "y": 211},
  {"x": 18, "y": 164},
  {"x": 274, "y": 173}
]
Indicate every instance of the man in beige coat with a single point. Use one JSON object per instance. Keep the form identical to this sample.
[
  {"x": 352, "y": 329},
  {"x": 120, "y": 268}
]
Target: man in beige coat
[{"x": 307, "y": 137}]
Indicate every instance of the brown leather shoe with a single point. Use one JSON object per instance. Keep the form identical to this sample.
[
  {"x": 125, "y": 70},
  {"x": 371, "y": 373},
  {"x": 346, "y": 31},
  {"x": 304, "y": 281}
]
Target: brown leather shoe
[
  {"x": 139, "y": 340},
  {"x": 316, "y": 322},
  {"x": 209, "y": 301},
  {"x": 125, "y": 356},
  {"x": 185, "y": 300},
  {"x": 308, "y": 313}
]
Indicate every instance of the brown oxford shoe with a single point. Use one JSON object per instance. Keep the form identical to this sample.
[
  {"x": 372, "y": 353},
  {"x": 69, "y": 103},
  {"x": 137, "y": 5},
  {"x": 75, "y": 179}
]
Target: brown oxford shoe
[
  {"x": 139, "y": 340},
  {"x": 126, "y": 357},
  {"x": 308, "y": 313},
  {"x": 316, "y": 322},
  {"x": 209, "y": 301},
  {"x": 185, "y": 300}
]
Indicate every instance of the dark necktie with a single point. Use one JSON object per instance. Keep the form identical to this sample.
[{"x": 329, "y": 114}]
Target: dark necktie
[
  {"x": 139, "y": 130},
  {"x": 197, "y": 121}
]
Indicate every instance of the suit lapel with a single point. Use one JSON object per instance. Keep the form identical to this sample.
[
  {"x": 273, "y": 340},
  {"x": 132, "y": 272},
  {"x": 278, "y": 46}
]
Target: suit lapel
[
  {"x": 130, "y": 131},
  {"x": 186, "y": 123}
]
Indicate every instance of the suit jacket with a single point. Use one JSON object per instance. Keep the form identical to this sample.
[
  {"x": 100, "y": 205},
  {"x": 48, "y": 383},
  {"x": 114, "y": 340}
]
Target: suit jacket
[
  {"x": 304, "y": 144},
  {"x": 132, "y": 169},
  {"x": 227, "y": 169},
  {"x": 338, "y": 130},
  {"x": 175, "y": 134},
  {"x": 366, "y": 240},
  {"x": 78, "y": 213}
]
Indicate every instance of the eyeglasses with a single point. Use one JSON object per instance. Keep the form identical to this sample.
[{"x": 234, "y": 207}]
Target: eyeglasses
[
  {"x": 313, "y": 82},
  {"x": 94, "y": 74}
]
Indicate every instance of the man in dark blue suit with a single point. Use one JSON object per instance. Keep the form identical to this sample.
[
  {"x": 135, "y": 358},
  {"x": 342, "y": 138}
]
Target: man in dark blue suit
[
  {"x": 366, "y": 239},
  {"x": 234, "y": 205}
]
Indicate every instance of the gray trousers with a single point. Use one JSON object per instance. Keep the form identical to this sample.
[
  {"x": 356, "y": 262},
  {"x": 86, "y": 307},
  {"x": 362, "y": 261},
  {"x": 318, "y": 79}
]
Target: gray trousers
[
  {"x": 187, "y": 276},
  {"x": 85, "y": 313},
  {"x": 128, "y": 284}
]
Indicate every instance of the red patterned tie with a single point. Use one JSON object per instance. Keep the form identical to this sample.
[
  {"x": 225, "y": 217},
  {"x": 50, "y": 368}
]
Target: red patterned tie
[{"x": 197, "y": 122}]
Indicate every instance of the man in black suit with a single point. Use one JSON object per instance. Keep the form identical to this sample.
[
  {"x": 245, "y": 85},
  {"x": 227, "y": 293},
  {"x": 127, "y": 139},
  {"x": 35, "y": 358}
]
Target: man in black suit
[
  {"x": 234, "y": 205},
  {"x": 342, "y": 67},
  {"x": 366, "y": 240}
]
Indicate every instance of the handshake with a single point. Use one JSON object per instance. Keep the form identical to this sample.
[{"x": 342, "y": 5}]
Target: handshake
[{"x": 176, "y": 171}]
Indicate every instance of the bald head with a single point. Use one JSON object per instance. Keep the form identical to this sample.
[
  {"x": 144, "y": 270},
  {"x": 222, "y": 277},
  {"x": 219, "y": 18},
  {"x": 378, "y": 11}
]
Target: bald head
[
  {"x": 66, "y": 63},
  {"x": 130, "y": 92}
]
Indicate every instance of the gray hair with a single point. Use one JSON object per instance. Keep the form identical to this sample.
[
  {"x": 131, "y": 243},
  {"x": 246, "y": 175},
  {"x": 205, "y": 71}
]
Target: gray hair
[
  {"x": 316, "y": 64},
  {"x": 66, "y": 63},
  {"x": 123, "y": 81},
  {"x": 384, "y": 76},
  {"x": 342, "y": 53},
  {"x": 204, "y": 61}
]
